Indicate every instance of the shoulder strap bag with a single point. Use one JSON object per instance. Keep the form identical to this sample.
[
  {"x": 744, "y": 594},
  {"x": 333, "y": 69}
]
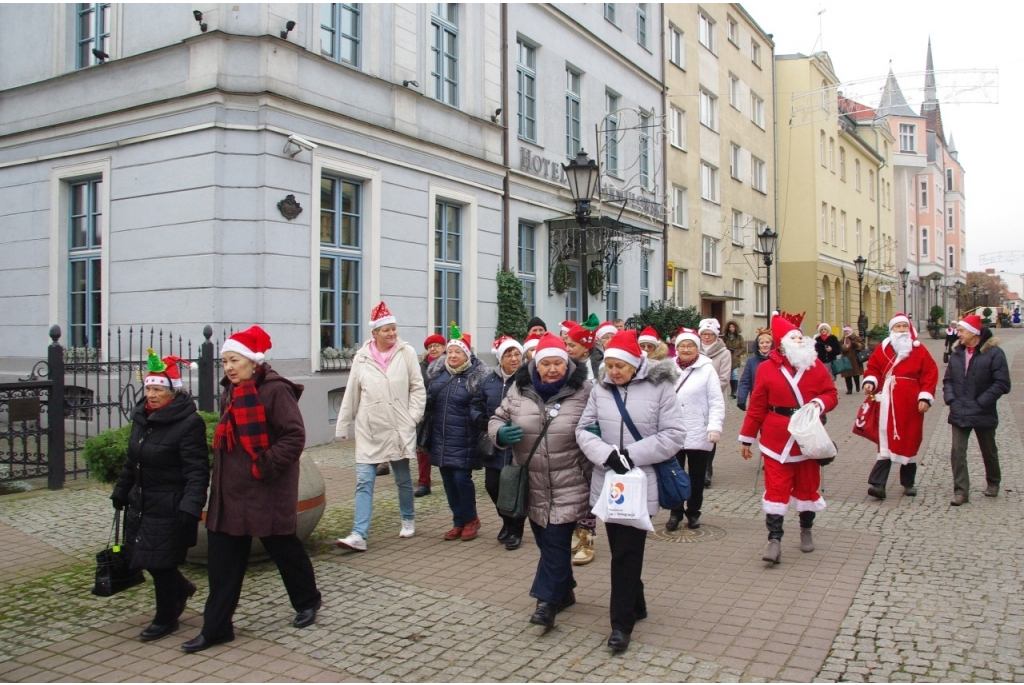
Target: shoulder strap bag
[
  {"x": 513, "y": 481},
  {"x": 673, "y": 481}
]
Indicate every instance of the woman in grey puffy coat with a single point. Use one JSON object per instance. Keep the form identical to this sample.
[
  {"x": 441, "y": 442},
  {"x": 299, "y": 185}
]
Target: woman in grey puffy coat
[
  {"x": 550, "y": 388},
  {"x": 648, "y": 393}
]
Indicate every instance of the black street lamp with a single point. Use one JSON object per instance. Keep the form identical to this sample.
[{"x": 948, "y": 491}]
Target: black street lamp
[
  {"x": 766, "y": 246},
  {"x": 861, "y": 265},
  {"x": 583, "y": 175},
  {"x": 904, "y": 277}
]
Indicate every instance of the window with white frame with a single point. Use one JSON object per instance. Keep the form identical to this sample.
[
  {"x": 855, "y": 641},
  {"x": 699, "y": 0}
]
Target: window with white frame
[
  {"x": 85, "y": 293},
  {"x": 912, "y": 239},
  {"x": 680, "y": 288},
  {"x": 676, "y": 53},
  {"x": 737, "y": 227},
  {"x": 645, "y": 280},
  {"x": 447, "y": 265},
  {"x": 528, "y": 265},
  {"x": 573, "y": 107},
  {"x": 907, "y": 135},
  {"x": 645, "y": 150},
  {"x": 949, "y": 179},
  {"x": 842, "y": 163},
  {"x": 832, "y": 224},
  {"x": 842, "y": 230},
  {"x": 679, "y": 209},
  {"x": 611, "y": 292},
  {"x": 706, "y": 31},
  {"x": 924, "y": 242},
  {"x": 738, "y": 292},
  {"x": 758, "y": 175},
  {"x": 832, "y": 154},
  {"x": 678, "y": 118},
  {"x": 341, "y": 242},
  {"x": 611, "y": 133},
  {"x": 609, "y": 11},
  {"x": 734, "y": 160},
  {"x": 733, "y": 31},
  {"x": 757, "y": 110},
  {"x": 824, "y": 222},
  {"x": 821, "y": 147},
  {"x": 952, "y": 253},
  {"x": 760, "y": 299},
  {"x": 92, "y": 33},
  {"x": 734, "y": 90},
  {"x": 824, "y": 95},
  {"x": 860, "y": 248},
  {"x": 924, "y": 193},
  {"x": 708, "y": 109},
  {"x": 871, "y": 184},
  {"x": 949, "y": 218},
  {"x": 641, "y": 24},
  {"x": 341, "y": 32},
  {"x": 444, "y": 49},
  {"x": 526, "y": 90},
  {"x": 755, "y": 53},
  {"x": 710, "y": 261},
  {"x": 938, "y": 245},
  {"x": 856, "y": 175},
  {"x": 708, "y": 182}
]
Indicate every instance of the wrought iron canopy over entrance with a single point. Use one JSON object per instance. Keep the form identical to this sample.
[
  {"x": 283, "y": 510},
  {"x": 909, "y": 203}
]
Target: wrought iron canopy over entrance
[
  {"x": 603, "y": 236},
  {"x": 715, "y": 297}
]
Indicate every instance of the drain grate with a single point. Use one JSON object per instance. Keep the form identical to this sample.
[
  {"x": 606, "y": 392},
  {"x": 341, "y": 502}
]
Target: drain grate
[{"x": 705, "y": 533}]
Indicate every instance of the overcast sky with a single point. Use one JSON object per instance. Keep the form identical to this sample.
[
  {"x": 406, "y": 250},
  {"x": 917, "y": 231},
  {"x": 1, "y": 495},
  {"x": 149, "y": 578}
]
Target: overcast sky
[{"x": 864, "y": 39}]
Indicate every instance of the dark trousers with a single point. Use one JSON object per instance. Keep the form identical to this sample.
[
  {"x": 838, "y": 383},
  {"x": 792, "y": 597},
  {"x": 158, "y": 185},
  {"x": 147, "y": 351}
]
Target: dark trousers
[
  {"x": 461, "y": 494},
  {"x": 627, "y": 545},
  {"x": 989, "y": 455},
  {"x": 880, "y": 473},
  {"x": 695, "y": 463},
  {"x": 554, "y": 579},
  {"x": 711, "y": 462},
  {"x": 228, "y": 559},
  {"x": 849, "y": 383},
  {"x": 170, "y": 588},
  {"x": 492, "y": 481},
  {"x": 422, "y": 468}
]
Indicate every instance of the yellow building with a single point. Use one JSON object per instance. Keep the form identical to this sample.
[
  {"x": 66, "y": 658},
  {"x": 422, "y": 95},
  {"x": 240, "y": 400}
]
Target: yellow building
[
  {"x": 719, "y": 160},
  {"x": 835, "y": 199}
]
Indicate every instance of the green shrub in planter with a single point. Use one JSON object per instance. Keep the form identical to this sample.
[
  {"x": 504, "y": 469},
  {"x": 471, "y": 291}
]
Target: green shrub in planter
[{"x": 106, "y": 452}]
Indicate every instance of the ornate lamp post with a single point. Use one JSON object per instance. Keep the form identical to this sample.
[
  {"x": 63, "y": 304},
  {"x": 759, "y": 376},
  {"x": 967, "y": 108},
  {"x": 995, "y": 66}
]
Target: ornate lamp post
[
  {"x": 861, "y": 265},
  {"x": 904, "y": 277},
  {"x": 766, "y": 246},
  {"x": 583, "y": 175}
]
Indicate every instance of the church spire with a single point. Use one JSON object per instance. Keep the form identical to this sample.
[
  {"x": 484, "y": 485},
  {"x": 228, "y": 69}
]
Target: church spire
[{"x": 930, "y": 107}]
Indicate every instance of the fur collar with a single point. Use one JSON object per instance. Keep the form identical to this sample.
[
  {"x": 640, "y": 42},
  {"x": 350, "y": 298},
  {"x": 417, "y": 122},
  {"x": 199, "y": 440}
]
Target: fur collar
[
  {"x": 656, "y": 372},
  {"x": 523, "y": 377},
  {"x": 475, "y": 374}
]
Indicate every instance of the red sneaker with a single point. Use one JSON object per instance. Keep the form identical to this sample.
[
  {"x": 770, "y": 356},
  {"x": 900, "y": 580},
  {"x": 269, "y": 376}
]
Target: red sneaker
[
  {"x": 471, "y": 529},
  {"x": 454, "y": 534}
]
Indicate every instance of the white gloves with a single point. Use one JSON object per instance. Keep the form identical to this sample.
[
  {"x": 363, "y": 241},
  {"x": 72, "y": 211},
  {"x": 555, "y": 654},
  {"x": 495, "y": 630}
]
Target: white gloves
[{"x": 714, "y": 436}]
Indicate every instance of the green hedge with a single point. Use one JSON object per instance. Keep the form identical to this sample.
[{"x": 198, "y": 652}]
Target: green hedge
[{"x": 106, "y": 452}]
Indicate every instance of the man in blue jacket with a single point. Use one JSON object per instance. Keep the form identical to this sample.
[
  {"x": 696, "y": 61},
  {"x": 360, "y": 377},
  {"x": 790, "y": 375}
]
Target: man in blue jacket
[{"x": 976, "y": 377}]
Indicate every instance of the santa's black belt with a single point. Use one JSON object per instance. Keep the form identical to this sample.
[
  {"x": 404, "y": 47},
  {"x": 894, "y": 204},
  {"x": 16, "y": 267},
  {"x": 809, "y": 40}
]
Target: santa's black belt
[{"x": 784, "y": 411}]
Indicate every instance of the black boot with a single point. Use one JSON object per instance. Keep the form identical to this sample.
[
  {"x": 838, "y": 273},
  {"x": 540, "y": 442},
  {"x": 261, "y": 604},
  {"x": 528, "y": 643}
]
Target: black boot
[
  {"x": 732, "y": 387},
  {"x": 806, "y": 538},
  {"x": 773, "y": 553}
]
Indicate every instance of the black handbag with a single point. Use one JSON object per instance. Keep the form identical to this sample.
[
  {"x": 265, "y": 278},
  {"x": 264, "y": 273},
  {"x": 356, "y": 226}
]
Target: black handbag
[
  {"x": 673, "y": 481},
  {"x": 514, "y": 481},
  {"x": 863, "y": 356},
  {"x": 945, "y": 357},
  {"x": 113, "y": 572}
]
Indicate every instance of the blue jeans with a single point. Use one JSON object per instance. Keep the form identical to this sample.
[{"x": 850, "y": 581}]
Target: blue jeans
[
  {"x": 554, "y": 578},
  {"x": 366, "y": 474},
  {"x": 461, "y": 493}
]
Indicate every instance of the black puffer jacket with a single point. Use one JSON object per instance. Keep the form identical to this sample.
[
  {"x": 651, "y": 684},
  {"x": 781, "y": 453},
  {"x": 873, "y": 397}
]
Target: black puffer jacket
[
  {"x": 971, "y": 396},
  {"x": 494, "y": 389},
  {"x": 166, "y": 472},
  {"x": 457, "y": 413}
]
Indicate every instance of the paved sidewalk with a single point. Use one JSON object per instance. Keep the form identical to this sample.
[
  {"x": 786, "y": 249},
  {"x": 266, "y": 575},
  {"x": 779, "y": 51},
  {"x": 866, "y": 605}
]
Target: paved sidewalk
[{"x": 909, "y": 589}]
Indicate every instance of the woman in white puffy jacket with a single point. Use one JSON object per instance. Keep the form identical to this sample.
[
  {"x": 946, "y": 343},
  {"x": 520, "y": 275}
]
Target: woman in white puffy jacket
[{"x": 700, "y": 394}]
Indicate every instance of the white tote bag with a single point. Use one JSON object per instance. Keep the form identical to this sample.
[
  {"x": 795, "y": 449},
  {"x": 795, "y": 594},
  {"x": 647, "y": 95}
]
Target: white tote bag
[
  {"x": 623, "y": 499},
  {"x": 806, "y": 427}
]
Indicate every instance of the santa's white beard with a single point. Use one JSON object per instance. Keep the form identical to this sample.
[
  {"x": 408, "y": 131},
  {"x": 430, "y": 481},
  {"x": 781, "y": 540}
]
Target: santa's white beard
[
  {"x": 901, "y": 343},
  {"x": 801, "y": 355}
]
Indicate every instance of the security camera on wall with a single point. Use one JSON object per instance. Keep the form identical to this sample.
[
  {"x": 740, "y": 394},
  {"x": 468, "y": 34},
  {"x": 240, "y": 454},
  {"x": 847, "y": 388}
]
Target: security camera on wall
[{"x": 296, "y": 144}]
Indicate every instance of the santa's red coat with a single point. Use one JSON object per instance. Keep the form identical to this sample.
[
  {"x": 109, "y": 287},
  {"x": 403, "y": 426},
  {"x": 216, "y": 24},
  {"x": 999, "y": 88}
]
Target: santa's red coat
[
  {"x": 771, "y": 388},
  {"x": 899, "y": 385}
]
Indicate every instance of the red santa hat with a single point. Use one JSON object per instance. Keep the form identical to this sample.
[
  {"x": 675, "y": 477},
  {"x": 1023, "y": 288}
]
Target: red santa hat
[
  {"x": 381, "y": 316},
  {"x": 567, "y": 325},
  {"x": 607, "y": 328},
  {"x": 781, "y": 327},
  {"x": 624, "y": 345},
  {"x": 971, "y": 323},
  {"x": 459, "y": 339},
  {"x": 687, "y": 334},
  {"x": 252, "y": 343},
  {"x": 550, "y": 345},
  {"x": 583, "y": 336},
  {"x": 503, "y": 345},
  {"x": 709, "y": 325},
  {"x": 648, "y": 335},
  {"x": 531, "y": 342},
  {"x": 432, "y": 340},
  {"x": 165, "y": 371},
  {"x": 903, "y": 318}
]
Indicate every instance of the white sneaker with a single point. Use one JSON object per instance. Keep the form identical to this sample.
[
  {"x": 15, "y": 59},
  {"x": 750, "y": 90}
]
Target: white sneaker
[
  {"x": 408, "y": 529},
  {"x": 354, "y": 542}
]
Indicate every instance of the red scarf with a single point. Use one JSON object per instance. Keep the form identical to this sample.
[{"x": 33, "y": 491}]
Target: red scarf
[
  {"x": 245, "y": 422},
  {"x": 686, "y": 365}
]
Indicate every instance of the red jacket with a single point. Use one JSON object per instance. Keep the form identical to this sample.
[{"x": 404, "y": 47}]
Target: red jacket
[
  {"x": 899, "y": 385},
  {"x": 772, "y": 388}
]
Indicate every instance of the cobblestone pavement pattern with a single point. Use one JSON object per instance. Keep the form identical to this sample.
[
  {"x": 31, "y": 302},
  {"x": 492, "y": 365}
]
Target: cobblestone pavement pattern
[{"x": 908, "y": 589}]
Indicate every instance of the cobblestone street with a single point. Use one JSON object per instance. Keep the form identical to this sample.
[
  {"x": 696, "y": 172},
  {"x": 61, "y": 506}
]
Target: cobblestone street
[{"x": 907, "y": 589}]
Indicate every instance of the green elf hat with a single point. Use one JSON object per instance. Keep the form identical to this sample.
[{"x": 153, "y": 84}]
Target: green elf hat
[
  {"x": 459, "y": 339},
  {"x": 592, "y": 323},
  {"x": 166, "y": 371}
]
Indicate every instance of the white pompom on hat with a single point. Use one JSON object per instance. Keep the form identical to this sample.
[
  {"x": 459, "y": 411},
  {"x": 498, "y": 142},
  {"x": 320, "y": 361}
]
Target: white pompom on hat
[{"x": 252, "y": 343}]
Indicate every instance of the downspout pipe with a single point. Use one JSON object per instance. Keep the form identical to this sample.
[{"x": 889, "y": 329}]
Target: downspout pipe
[{"x": 506, "y": 201}]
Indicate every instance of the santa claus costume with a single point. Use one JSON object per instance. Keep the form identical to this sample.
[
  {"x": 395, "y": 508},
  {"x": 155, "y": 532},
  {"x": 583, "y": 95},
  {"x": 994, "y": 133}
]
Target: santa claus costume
[
  {"x": 900, "y": 379},
  {"x": 790, "y": 378}
]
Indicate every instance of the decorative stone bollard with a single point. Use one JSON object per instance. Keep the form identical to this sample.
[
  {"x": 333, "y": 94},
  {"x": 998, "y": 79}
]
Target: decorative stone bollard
[{"x": 312, "y": 503}]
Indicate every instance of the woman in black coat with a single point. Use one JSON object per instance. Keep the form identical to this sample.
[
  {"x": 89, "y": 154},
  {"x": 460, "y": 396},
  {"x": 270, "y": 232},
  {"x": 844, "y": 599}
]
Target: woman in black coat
[
  {"x": 163, "y": 488},
  {"x": 827, "y": 346}
]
